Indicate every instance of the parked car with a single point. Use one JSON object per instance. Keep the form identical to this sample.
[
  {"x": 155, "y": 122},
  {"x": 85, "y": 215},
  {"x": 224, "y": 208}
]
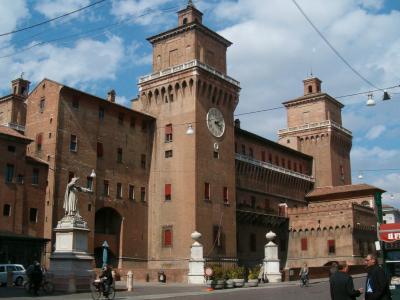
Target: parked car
[{"x": 19, "y": 273}]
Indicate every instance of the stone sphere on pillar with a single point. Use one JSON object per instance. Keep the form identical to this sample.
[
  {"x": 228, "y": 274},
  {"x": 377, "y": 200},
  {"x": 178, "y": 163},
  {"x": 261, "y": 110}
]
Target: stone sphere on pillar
[
  {"x": 270, "y": 235},
  {"x": 196, "y": 236}
]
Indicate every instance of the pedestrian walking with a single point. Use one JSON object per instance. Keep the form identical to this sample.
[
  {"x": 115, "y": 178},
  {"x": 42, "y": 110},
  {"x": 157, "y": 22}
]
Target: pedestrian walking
[
  {"x": 36, "y": 277},
  {"x": 377, "y": 284},
  {"x": 342, "y": 285}
]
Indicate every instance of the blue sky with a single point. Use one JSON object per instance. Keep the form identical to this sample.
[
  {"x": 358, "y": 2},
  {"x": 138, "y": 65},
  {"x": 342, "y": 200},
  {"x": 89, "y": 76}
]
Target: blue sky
[{"x": 274, "y": 49}]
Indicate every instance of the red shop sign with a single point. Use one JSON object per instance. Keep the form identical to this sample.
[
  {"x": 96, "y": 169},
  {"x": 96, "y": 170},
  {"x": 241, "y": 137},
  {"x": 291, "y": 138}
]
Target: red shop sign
[{"x": 389, "y": 232}]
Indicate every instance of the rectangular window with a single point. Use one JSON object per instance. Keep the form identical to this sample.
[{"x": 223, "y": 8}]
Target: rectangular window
[
  {"x": 216, "y": 154},
  {"x": 253, "y": 202},
  {"x": 133, "y": 122},
  {"x": 143, "y": 161},
  {"x": 295, "y": 167},
  {"x": 11, "y": 148},
  {"x": 251, "y": 154},
  {"x": 99, "y": 149},
  {"x": 20, "y": 179},
  {"x": 42, "y": 104},
  {"x": 167, "y": 236},
  {"x": 73, "y": 144},
  {"x": 131, "y": 192},
  {"x": 207, "y": 191},
  {"x": 304, "y": 245},
  {"x": 270, "y": 158},
  {"x": 120, "y": 118},
  {"x": 119, "y": 190},
  {"x": 119, "y": 155},
  {"x": 106, "y": 188},
  {"x": 168, "y": 133},
  {"x": 218, "y": 237},
  {"x": 266, "y": 204},
  {"x": 167, "y": 191},
  {"x": 101, "y": 113},
  {"x": 301, "y": 168},
  {"x": 7, "y": 210},
  {"x": 70, "y": 176},
  {"x": 243, "y": 149},
  {"x": 143, "y": 194},
  {"x": 144, "y": 126},
  {"x": 277, "y": 160},
  {"x": 168, "y": 153},
  {"x": 263, "y": 156},
  {"x": 33, "y": 212},
  {"x": 39, "y": 141},
  {"x": 331, "y": 247},
  {"x": 89, "y": 183},
  {"x": 283, "y": 163},
  {"x": 253, "y": 242},
  {"x": 75, "y": 103},
  {"x": 282, "y": 211},
  {"x": 289, "y": 165},
  {"x": 225, "y": 195},
  {"x": 35, "y": 176},
  {"x": 9, "y": 173}
]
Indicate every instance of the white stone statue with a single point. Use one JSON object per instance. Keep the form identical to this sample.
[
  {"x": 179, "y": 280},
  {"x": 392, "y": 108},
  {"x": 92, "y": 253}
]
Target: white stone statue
[{"x": 71, "y": 197}]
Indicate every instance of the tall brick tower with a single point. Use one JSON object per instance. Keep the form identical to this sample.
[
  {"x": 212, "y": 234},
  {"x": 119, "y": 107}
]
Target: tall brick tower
[
  {"x": 192, "y": 181},
  {"x": 315, "y": 128}
]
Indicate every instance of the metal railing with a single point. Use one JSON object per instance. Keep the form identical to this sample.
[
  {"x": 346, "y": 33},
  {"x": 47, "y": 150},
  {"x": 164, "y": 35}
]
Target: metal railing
[
  {"x": 15, "y": 126},
  {"x": 327, "y": 123},
  {"x": 272, "y": 167},
  {"x": 185, "y": 66}
]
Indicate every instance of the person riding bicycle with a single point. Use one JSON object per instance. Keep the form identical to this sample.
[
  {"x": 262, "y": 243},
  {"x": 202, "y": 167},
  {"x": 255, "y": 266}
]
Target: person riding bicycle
[
  {"x": 106, "y": 279},
  {"x": 304, "y": 274},
  {"x": 35, "y": 276}
]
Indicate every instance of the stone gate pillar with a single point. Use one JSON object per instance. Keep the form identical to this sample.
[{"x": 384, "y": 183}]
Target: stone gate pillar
[
  {"x": 271, "y": 260},
  {"x": 196, "y": 262}
]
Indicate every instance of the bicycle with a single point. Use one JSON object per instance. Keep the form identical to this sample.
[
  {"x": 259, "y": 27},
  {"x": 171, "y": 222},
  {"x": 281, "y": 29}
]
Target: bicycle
[
  {"x": 46, "y": 286},
  {"x": 304, "y": 281},
  {"x": 98, "y": 292}
]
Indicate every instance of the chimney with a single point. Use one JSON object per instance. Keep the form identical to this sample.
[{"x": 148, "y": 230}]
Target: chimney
[
  {"x": 237, "y": 123},
  {"x": 111, "y": 96}
]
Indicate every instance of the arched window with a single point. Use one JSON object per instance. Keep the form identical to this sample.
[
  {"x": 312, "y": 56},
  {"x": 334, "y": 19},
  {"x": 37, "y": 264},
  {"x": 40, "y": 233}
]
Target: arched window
[
  {"x": 184, "y": 22},
  {"x": 310, "y": 88}
]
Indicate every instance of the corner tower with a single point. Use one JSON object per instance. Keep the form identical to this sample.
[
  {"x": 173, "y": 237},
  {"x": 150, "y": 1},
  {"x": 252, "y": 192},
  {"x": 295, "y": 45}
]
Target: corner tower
[
  {"x": 315, "y": 128},
  {"x": 192, "y": 181}
]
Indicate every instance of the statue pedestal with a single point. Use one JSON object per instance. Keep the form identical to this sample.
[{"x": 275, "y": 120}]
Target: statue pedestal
[{"x": 70, "y": 263}]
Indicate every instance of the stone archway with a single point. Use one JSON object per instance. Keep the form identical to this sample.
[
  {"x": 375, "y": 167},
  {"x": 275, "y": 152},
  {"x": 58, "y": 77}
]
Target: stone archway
[{"x": 107, "y": 228}]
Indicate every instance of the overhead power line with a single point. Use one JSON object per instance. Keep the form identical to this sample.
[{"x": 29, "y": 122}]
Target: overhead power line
[
  {"x": 53, "y": 19},
  {"x": 333, "y": 48}
]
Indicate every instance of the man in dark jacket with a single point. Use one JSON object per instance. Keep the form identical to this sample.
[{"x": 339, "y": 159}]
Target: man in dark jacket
[
  {"x": 107, "y": 279},
  {"x": 377, "y": 284},
  {"x": 342, "y": 286}
]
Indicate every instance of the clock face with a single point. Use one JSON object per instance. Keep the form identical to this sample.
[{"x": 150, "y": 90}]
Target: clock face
[{"x": 215, "y": 122}]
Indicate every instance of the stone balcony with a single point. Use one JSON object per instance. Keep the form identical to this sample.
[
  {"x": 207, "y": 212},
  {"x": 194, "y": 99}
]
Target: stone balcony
[
  {"x": 316, "y": 125},
  {"x": 186, "y": 66},
  {"x": 272, "y": 167},
  {"x": 15, "y": 126}
]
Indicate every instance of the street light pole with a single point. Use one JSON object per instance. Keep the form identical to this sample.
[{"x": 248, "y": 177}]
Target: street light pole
[{"x": 378, "y": 204}]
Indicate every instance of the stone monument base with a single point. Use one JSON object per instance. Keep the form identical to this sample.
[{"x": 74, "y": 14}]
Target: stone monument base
[{"x": 70, "y": 264}]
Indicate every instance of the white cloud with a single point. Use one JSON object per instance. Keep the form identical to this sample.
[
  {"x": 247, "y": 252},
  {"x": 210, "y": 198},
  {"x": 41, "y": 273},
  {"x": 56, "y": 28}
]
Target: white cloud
[
  {"x": 375, "y": 132},
  {"x": 123, "y": 101},
  {"x": 390, "y": 183},
  {"x": 74, "y": 65},
  {"x": 372, "y": 4},
  {"x": 12, "y": 12},
  {"x": 142, "y": 12},
  {"x": 55, "y": 8},
  {"x": 274, "y": 49}
]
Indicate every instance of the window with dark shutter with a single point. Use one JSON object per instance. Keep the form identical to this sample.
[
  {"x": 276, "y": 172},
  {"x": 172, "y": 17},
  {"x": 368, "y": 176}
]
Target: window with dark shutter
[
  {"x": 168, "y": 191},
  {"x": 168, "y": 133},
  {"x": 167, "y": 237},
  {"x": 304, "y": 244},
  {"x": 207, "y": 191},
  {"x": 331, "y": 247},
  {"x": 225, "y": 195}
]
